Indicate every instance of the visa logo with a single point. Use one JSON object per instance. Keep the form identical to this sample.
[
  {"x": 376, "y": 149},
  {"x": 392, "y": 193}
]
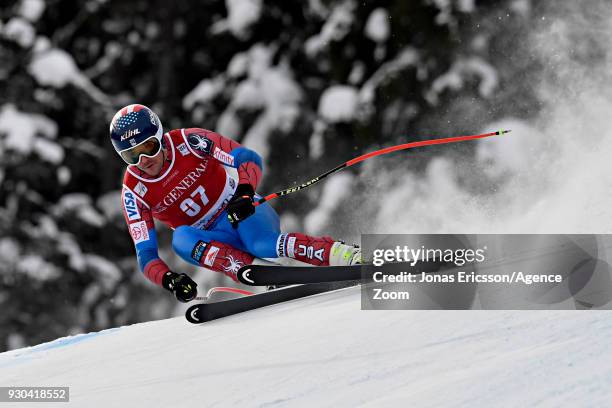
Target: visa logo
[{"x": 131, "y": 209}]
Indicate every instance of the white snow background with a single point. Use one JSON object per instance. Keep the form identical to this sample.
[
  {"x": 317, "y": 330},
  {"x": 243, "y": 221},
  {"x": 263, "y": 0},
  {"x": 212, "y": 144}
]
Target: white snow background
[
  {"x": 552, "y": 175},
  {"x": 324, "y": 352}
]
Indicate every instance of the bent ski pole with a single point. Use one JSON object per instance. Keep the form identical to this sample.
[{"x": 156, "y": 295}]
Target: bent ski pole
[{"x": 374, "y": 154}]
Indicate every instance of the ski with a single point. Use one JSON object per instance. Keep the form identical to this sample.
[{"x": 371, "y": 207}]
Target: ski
[
  {"x": 204, "y": 312},
  {"x": 260, "y": 275}
]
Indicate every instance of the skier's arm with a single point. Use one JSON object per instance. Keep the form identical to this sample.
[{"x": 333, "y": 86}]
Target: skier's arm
[
  {"x": 142, "y": 229},
  {"x": 231, "y": 153}
]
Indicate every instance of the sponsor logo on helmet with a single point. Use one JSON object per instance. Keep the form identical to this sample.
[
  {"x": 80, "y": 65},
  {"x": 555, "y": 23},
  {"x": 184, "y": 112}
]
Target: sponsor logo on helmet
[
  {"x": 129, "y": 203},
  {"x": 139, "y": 232},
  {"x": 130, "y": 133},
  {"x": 223, "y": 157},
  {"x": 199, "y": 142},
  {"x": 152, "y": 117},
  {"x": 198, "y": 251}
]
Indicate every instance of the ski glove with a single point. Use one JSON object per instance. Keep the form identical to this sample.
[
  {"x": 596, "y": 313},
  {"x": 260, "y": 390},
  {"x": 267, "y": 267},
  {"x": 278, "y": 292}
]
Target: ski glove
[
  {"x": 241, "y": 205},
  {"x": 183, "y": 287}
]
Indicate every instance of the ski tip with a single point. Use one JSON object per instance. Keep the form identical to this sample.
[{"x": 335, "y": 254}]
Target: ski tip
[
  {"x": 502, "y": 132},
  {"x": 244, "y": 275},
  {"x": 192, "y": 314}
]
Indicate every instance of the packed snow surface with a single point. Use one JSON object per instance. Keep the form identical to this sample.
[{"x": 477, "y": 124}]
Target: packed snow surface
[{"x": 325, "y": 351}]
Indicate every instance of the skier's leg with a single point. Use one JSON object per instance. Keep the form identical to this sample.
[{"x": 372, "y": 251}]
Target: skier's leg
[
  {"x": 219, "y": 250},
  {"x": 318, "y": 251},
  {"x": 261, "y": 236},
  {"x": 259, "y": 233}
]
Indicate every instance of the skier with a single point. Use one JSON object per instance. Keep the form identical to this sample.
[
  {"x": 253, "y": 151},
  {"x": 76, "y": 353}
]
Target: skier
[{"x": 181, "y": 179}]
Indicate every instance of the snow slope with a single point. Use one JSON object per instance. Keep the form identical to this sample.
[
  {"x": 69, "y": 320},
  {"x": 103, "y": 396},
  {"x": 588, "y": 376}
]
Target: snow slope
[{"x": 325, "y": 351}]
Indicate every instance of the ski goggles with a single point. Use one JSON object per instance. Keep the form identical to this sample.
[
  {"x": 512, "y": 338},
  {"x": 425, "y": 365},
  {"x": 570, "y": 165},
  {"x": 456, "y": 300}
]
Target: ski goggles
[{"x": 149, "y": 148}]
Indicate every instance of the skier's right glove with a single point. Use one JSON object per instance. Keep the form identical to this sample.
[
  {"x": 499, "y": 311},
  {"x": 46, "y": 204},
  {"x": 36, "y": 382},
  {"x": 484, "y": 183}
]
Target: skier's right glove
[
  {"x": 241, "y": 205},
  {"x": 181, "y": 285}
]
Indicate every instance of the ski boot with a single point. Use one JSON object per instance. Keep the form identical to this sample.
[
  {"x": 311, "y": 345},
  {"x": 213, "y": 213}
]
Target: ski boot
[
  {"x": 344, "y": 255},
  {"x": 340, "y": 254}
]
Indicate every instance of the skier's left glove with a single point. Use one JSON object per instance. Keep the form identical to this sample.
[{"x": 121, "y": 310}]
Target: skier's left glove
[
  {"x": 241, "y": 205},
  {"x": 183, "y": 287}
]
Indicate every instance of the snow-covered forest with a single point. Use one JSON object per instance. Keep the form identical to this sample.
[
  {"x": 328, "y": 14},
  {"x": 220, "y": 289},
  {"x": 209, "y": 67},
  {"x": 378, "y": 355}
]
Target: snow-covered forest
[{"x": 307, "y": 84}]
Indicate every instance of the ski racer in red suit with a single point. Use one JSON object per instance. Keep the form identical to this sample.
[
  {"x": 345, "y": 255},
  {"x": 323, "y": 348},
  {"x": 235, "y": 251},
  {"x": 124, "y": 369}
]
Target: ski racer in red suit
[{"x": 181, "y": 179}]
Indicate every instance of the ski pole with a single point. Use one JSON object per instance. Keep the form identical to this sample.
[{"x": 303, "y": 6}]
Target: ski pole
[
  {"x": 225, "y": 289},
  {"x": 374, "y": 154}
]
